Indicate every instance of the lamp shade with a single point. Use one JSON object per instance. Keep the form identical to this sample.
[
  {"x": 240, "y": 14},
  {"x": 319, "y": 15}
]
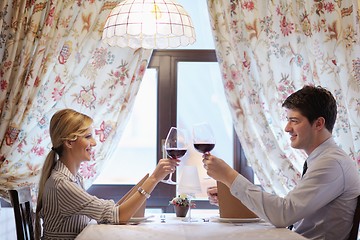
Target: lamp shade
[{"x": 150, "y": 24}]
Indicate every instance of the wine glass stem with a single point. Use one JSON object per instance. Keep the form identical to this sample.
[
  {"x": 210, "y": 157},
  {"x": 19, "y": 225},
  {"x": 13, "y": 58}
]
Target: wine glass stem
[
  {"x": 189, "y": 210},
  {"x": 170, "y": 176}
]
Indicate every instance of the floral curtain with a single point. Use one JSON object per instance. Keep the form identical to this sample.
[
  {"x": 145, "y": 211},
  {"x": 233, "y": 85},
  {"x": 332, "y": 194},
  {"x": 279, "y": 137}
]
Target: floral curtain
[
  {"x": 53, "y": 58},
  {"x": 269, "y": 49}
]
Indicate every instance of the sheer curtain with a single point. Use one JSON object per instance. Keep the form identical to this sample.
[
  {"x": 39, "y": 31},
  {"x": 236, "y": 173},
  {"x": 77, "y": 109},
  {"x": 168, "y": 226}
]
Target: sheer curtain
[
  {"x": 53, "y": 58},
  {"x": 269, "y": 49}
]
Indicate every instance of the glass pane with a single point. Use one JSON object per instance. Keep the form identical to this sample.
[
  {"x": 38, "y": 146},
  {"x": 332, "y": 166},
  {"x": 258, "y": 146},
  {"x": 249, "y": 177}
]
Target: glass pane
[
  {"x": 199, "y": 14},
  {"x": 201, "y": 98},
  {"x": 136, "y": 152}
]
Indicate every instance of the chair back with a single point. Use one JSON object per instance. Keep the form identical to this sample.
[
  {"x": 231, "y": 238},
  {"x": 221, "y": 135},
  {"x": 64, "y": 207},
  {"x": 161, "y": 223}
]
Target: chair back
[
  {"x": 355, "y": 228},
  {"x": 20, "y": 199}
]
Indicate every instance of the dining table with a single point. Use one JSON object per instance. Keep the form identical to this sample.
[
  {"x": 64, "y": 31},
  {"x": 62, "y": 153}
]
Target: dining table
[{"x": 203, "y": 225}]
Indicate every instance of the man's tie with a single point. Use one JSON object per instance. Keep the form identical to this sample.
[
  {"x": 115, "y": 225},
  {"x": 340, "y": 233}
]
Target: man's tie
[
  {"x": 304, "y": 171},
  {"x": 304, "y": 168}
]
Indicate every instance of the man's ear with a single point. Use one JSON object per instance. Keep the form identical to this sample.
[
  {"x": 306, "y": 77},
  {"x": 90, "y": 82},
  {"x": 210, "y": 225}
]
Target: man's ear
[{"x": 320, "y": 123}]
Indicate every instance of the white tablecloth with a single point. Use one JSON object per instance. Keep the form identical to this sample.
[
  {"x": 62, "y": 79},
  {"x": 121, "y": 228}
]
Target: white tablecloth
[{"x": 176, "y": 229}]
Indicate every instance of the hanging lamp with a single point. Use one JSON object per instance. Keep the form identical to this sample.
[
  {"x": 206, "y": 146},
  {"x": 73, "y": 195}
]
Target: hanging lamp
[{"x": 150, "y": 24}]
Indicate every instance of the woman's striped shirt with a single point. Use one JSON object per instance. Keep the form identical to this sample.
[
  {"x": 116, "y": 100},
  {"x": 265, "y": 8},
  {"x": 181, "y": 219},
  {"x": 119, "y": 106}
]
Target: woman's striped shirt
[{"x": 68, "y": 208}]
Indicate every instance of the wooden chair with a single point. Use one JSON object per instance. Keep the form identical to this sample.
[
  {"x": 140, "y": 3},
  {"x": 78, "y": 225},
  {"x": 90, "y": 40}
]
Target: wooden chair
[
  {"x": 355, "y": 228},
  {"x": 20, "y": 199}
]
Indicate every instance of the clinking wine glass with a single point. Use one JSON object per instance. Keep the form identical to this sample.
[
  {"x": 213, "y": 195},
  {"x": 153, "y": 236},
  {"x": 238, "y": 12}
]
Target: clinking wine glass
[
  {"x": 203, "y": 137},
  {"x": 176, "y": 145}
]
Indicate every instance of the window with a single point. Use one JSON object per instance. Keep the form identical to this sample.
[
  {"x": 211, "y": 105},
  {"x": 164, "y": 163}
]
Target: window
[
  {"x": 136, "y": 152},
  {"x": 201, "y": 98},
  {"x": 180, "y": 88},
  {"x": 175, "y": 72}
]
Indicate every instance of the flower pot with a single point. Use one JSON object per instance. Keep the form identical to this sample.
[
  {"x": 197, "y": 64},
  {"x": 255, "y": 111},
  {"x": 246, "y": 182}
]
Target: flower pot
[{"x": 181, "y": 211}]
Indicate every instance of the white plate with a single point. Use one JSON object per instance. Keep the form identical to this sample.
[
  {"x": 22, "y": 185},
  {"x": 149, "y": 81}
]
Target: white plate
[
  {"x": 140, "y": 219},
  {"x": 238, "y": 220}
]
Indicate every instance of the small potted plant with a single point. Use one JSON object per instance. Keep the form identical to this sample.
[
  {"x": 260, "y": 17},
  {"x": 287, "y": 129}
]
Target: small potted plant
[{"x": 181, "y": 205}]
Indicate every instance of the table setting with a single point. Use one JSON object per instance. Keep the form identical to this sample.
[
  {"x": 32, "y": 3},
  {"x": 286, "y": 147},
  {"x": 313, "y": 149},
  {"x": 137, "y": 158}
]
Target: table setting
[
  {"x": 205, "y": 224},
  {"x": 231, "y": 221}
]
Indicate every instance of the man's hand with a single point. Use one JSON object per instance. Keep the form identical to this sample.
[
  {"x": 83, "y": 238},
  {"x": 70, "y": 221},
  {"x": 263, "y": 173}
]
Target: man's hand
[{"x": 212, "y": 193}]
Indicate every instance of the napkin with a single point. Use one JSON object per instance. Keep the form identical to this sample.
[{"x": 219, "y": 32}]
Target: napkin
[{"x": 230, "y": 206}]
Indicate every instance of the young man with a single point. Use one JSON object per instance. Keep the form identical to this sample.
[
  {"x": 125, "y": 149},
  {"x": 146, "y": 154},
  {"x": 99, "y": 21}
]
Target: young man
[{"x": 322, "y": 204}]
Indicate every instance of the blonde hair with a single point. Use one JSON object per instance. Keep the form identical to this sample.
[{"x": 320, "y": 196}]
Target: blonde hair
[{"x": 65, "y": 125}]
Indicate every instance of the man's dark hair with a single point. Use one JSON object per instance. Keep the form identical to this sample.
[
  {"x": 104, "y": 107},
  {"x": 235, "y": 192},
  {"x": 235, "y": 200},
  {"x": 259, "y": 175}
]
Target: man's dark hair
[{"x": 314, "y": 102}]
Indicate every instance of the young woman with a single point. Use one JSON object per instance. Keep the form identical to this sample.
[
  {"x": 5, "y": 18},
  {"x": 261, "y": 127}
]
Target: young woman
[{"x": 63, "y": 204}]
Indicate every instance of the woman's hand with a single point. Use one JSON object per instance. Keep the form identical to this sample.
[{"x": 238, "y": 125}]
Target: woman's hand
[{"x": 165, "y": 167}]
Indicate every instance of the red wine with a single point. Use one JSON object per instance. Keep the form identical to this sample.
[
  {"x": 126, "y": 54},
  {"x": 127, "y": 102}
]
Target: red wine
[
  {"x": 176, "y": 152},
  {"x": 204, "y": 147}
]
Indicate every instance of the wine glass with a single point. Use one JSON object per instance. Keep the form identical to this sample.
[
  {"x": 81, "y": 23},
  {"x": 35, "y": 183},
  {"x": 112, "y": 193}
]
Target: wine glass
[
  {"x": 203, "y": 137},
  {"x": 176, "y": 145}
]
